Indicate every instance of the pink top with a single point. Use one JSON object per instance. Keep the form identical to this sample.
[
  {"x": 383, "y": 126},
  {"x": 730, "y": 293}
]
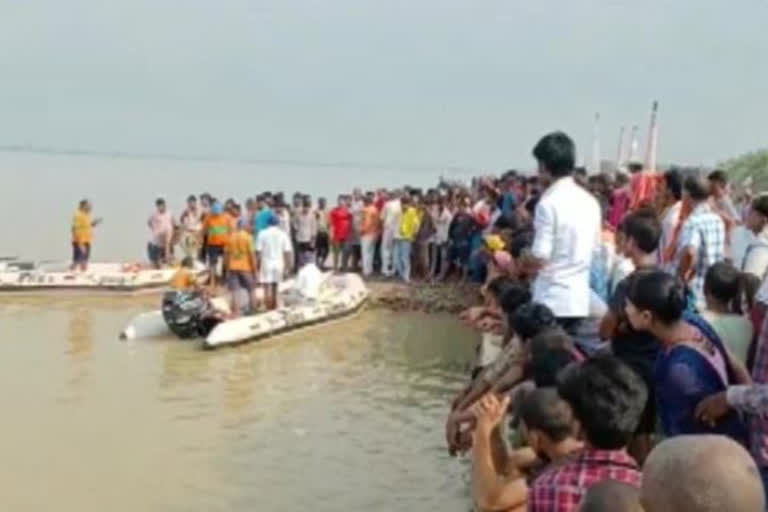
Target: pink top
[{"x": 161, "y": 225}]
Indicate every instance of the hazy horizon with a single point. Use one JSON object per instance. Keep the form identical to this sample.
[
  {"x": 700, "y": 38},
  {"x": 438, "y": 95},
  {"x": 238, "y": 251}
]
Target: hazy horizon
[{"x": 427, "y": 84}]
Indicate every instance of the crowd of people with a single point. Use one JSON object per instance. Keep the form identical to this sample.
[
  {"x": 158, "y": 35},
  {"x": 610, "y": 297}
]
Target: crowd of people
[
  {"x": 625, "y": 341},
  {"x": 624, "y": 357}
]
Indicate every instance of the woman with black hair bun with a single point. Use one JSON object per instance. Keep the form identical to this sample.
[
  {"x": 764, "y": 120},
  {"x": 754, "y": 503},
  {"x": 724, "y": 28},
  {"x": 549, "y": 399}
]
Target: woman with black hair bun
[{"x": 693, "y": 362}]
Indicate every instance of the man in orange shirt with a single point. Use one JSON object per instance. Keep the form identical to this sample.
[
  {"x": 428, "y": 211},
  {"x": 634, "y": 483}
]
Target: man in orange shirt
[
  {"x": 217, "y": 231},
  {"x": 82, "y": 235},
  {"x": 241, "y": 267},
  {"x": 369, "y": 233}
]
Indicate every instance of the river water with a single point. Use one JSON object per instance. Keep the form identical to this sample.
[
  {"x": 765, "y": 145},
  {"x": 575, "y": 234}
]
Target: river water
[{"x": 345, "y": 416}]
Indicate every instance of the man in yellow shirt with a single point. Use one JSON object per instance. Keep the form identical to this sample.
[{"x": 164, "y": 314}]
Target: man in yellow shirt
[
  {"x": 241, "y": 266},
  {"x": 82, "y": 235},
  {"x": 409, "y": 226},
  {"x": 185, "y": 279}
]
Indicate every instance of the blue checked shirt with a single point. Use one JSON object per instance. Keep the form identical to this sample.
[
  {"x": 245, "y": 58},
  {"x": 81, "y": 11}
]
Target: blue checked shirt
[{"x": 704, "y": 231}]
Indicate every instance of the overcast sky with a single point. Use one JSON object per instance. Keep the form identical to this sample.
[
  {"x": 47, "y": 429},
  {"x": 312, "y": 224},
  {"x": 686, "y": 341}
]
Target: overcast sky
[{"x": 417, "y": 83}]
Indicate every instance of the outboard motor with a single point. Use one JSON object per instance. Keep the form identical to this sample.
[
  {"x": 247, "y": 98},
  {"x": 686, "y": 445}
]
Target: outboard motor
[{"x": 187, "y": 314}]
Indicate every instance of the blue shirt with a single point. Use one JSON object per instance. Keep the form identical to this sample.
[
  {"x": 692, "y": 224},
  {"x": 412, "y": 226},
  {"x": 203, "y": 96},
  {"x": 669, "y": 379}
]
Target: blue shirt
[{"x": 261, "y": 221}]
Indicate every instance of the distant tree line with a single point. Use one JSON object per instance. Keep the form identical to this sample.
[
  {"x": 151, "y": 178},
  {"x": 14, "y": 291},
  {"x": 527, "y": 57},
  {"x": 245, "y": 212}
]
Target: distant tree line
[{"x": 754, "y": 165}]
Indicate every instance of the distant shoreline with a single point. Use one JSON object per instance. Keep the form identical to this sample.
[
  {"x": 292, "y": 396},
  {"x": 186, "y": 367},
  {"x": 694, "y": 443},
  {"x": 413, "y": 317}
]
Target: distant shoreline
[{"x": 42, "y": 150}]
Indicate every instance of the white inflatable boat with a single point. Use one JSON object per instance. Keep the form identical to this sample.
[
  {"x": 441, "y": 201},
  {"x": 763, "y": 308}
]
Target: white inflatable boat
[
  {"x": 338, "y": 296},
  {"x": 152, "y": 325},
  {"x": 310, "y": 299},
  {"x": 18, "y": 275}
]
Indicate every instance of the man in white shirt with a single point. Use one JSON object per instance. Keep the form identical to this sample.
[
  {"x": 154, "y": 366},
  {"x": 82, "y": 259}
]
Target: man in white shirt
[
  {"x": 755, "y": 259},
  {"x": 191, "y": 221},
  {"x": 390, "y": 219},
  {"x": 274, "y": 255},
  {"x": 567, "y": 232}
]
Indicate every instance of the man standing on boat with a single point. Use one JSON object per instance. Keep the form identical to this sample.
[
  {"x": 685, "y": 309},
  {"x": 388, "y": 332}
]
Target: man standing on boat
[
  {"x": 274, "y": 256},
  {"x": 241, "y": 267},
  {"x": 82, "y": 235},
  {"x": 192, "y": 229},
  {"x": 161, "y": 225}
]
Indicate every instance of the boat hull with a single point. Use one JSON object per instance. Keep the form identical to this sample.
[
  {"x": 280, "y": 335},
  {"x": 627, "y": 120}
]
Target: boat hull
[
  {"x": 342, "y": 295},
  {"x": 100, "y": 277}
]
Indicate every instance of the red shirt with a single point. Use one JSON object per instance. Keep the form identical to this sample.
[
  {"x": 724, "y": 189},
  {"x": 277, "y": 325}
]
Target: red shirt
[
  {"x": 341, "y": 223},
  {"x": 562, "y": 487}
]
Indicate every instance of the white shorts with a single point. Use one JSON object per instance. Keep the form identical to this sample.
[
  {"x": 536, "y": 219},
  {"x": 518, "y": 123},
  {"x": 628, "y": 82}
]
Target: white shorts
[{"x": 270, "y": 275}]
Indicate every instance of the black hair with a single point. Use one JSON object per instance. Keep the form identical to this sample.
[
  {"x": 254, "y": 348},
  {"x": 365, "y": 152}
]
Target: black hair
[
  {"x": 621, "y": 179},
  {"x": 532, "y": 203},
  {"x": 513, "y": 296},
  {"x": 521, "y": 240},
  {"x": 673, "y": 179},
  {"x": 544, "y": 410},
  {"x": 187, "y": 262},
  {"x": 644, "y": 228},
  {"x": 760, "y": 204},
  {"x": 607, "y": 397},
  {"x": 499, "y": 285},
  {"x": 160, "y": 201},
  {"x": 509, "y": 175},
  {"x": 658, "y": 292},
  {"x": 192, "y": 197},
  {"x": 696, "y": 187},
  {"x": 718, "y": 176},
  {"x": 635, "y": 167},
  {"x": 83, "y": 203},
  {"x": 580, "y": 171},
  {"x": 530, "y": 319},
  {"x": 557, "y": 152},
  {"x": 551, "y": 350},
  {"x": 724, "y": 282}
]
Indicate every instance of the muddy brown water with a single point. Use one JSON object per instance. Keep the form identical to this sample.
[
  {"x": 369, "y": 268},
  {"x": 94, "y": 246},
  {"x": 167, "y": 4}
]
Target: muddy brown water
[{"x": 346, "y": 416}]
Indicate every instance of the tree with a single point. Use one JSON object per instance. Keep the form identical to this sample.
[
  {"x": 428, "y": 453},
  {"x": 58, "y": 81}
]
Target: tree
[{"x": 754, "y": 164}]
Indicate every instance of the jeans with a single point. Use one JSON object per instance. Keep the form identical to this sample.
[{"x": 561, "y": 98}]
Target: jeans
[
  {"x": 764, "y": 478},
  {"x": 403, "y": 259},
  {"x": 387, "y": 250},
  {"x": 368, "y": 248}
]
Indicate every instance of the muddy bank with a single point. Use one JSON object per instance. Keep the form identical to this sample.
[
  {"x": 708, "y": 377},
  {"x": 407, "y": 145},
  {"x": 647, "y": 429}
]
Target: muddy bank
[{"x": 427, "y": 298}]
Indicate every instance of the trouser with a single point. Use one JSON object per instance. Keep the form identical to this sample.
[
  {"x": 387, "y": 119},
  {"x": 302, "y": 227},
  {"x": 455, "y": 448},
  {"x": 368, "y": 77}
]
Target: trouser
[
  {"x": 304, "y": 254},
  {"x": 190, "y": 245},
  {"x": 438, "y": 253},
  {"x": 322, "y": 245},
  {"x": 418, "y": 256},
  {"x": 403, "y": 259},
  {"x": 387, "y": 250},
  {"x": 368, "y": 248},
  {"x": 570, "y": 324}
]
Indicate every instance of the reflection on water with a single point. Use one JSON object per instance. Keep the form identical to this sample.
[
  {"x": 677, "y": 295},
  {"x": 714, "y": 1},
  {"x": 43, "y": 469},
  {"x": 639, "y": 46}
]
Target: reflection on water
[
  {"x": 346, "y": 416},
  {"x": 79, "y": 334}
]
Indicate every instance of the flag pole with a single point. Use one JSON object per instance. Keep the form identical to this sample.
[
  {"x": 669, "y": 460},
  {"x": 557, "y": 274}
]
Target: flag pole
[
  {"x": 596, "y": 146},
  {"x": 653, "y": 139},
  {"x": 633, "y": 146},
  {"x": 620, "y": 152}
]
